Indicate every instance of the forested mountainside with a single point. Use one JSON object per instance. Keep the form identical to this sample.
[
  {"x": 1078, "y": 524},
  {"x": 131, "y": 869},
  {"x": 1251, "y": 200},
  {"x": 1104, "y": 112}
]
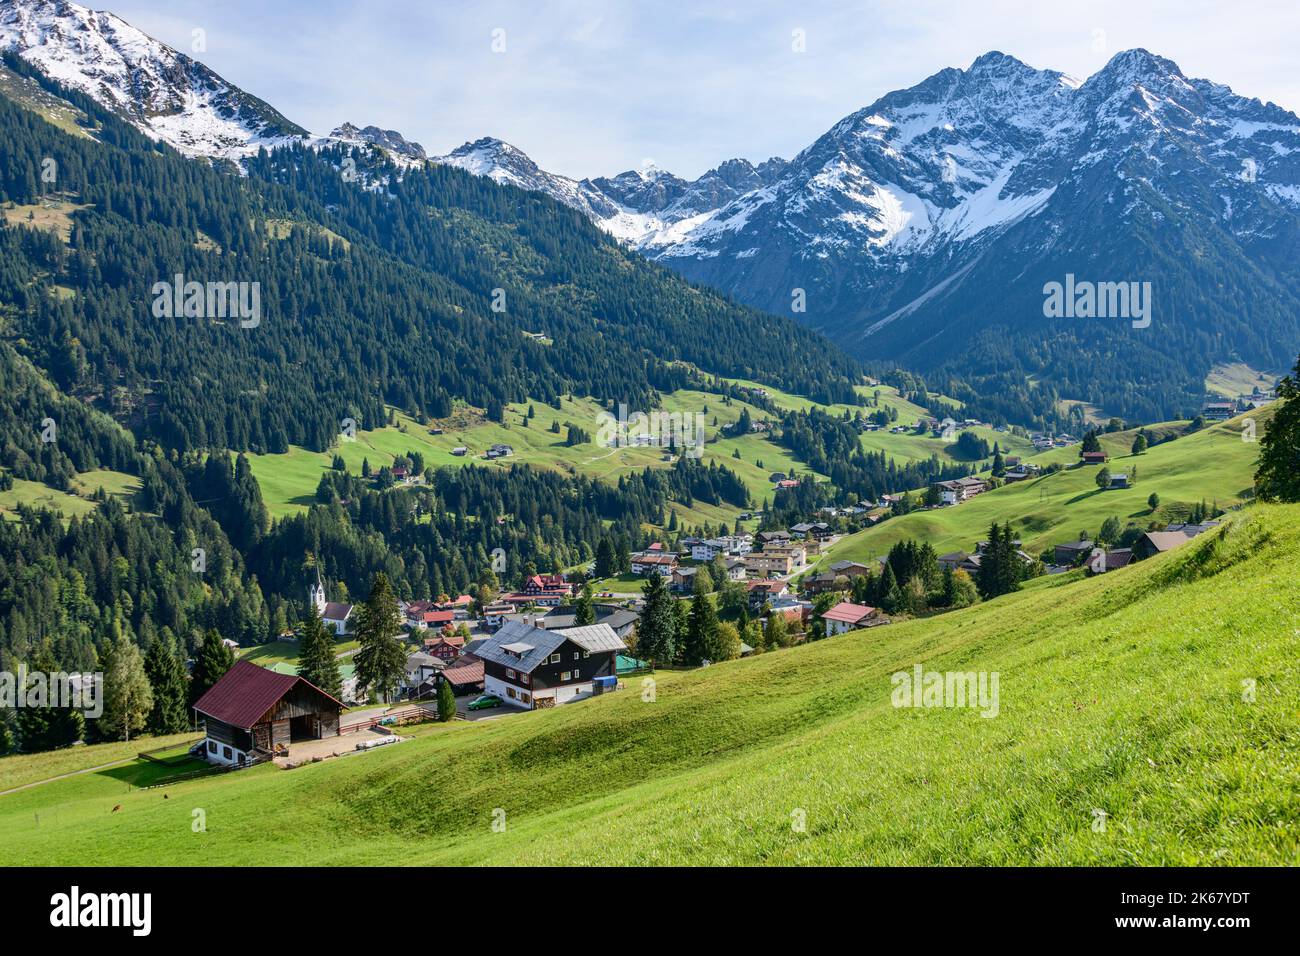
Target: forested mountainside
[
  {"x": 368, "y": 295},
  {"x": 923, "y": 229},
  {"x": 376, "y": 292}
]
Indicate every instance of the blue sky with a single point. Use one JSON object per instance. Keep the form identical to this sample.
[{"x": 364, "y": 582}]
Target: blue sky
[{"x": 594, "y": 87}]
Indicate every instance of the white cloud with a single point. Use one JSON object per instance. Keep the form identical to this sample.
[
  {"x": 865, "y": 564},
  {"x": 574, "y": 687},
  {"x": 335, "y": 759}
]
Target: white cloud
[{"x": 591, "y": 87}]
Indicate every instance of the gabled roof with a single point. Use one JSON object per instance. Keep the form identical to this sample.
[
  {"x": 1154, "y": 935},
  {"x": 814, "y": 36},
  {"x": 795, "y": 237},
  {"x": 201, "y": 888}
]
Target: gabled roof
[
  {"x": 522, "y": 647},
  {"x": 516, "y": 636},
  {"x": 1164, "y": 540},
  {"x": 246, "y": 692},
  {"x": 848, "y": 613},
  {"x": 336, "y": 611},
  {"x": 465, "y": 671},
  {"x": 595, "y": 637},
  {"x": 1076, "y": 545}
]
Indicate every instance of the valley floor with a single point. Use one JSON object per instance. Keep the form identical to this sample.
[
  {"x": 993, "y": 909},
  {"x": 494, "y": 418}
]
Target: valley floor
[{"x": 1146, "y": 716}]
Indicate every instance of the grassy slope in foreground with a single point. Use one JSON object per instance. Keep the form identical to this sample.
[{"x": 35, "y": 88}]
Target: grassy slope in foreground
[
  {"x": 1209, "y": 465},
  {"x": 1121, "y": 693}
]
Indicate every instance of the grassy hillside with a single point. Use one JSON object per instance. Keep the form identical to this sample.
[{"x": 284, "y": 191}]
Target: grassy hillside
[
  {"x": 1211, "y": 465},
  {"x": 288, "y": 481},
  {"x": 34, "y": 494},
  {"x": 1121, "y": 694}
]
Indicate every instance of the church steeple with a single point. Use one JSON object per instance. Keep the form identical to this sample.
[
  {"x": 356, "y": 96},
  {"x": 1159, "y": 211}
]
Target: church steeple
[{"x": 318, "y": 593}]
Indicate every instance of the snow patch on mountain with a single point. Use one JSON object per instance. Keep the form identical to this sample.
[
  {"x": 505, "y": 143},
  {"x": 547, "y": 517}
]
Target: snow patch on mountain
[{"x": 167, "y": 95}]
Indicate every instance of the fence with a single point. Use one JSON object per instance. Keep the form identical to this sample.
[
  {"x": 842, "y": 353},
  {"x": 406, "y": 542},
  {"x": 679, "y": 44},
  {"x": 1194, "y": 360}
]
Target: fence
[
  {"x": 400, "y": 715},
  {"x": 180, "y": 750}
]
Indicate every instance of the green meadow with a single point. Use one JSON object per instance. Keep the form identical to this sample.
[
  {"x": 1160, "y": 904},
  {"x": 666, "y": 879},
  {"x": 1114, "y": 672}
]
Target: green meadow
[
  {"x": 1210, "y": 465},
  {"x": 288, "y": 481},
  {"x": 70, "y": 504},
  {"x": 1144, "y": 717}
]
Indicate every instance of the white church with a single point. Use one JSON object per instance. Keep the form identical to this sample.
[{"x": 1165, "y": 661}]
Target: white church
[{"x": 334, "y": 613}]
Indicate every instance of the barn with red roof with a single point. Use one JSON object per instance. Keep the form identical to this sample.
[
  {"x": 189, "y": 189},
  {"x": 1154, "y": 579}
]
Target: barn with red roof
[{"x": 251, "y": 712}]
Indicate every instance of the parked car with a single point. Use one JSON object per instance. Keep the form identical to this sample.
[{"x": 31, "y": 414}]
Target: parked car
[{"x": 484, "y": 702}]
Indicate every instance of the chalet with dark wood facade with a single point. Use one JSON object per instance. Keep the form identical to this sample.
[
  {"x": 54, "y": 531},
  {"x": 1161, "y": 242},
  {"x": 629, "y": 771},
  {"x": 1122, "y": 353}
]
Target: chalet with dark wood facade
[
  {"x": 531, "y": 667},
  {"x": 251, "y": 712}
]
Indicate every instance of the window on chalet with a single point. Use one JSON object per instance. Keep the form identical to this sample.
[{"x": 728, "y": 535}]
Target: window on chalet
[
  {"x": 564, "y": 676},
  {"x": 225, "y": 752},
  {"x": 510, "y": 673},
  {"x": 575, "y": 655},
  {"x": 555, "y": 658},
  {"x": 212, "y": 746}
]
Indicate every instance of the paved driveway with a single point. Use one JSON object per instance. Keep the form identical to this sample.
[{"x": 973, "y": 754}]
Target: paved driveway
[{"x": 463, "y": 711}]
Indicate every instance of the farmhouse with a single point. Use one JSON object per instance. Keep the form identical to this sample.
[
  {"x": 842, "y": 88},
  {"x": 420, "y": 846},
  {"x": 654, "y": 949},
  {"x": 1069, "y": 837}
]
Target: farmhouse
[
  {"x": 533, "y": 667},
  {"x": 1158, "y": 542},
  {"x": 1093, "y": 457},
  {"x": 1218, "y": 411},
  {"x": 847, "y": 616},
  {"x": 1072, "y": 552},
  {"x": 654, "y": 562},
  {"x": 426, "y": 614},
  {"x": 251, "y": 712}
]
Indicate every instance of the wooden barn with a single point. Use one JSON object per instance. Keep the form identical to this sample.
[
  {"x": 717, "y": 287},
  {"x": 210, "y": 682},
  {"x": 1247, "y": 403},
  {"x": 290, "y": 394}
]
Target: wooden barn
[{"x": 252, "y": 712}]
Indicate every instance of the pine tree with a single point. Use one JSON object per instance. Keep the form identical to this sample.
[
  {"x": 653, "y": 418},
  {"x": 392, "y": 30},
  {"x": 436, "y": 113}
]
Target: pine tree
[
  {"x": 316, "y": 661},
  {"x": 381, "y": 660},
  {"x": 166, "y": 672},
  {"x": 214, "y": 659},
  {"x": 606, "y": 567},
  {"x": 585, "y": 612},
  {"x": 1278, "y": 475},
  {"x": 446, "y": 701},
  {"x": 128, "y": 698},
  {"x": 656, "y": 632},
  {"x": 888, "y": 594},
  {"x": 701, "y": 625},
  {"x": 43, "y": 728}
]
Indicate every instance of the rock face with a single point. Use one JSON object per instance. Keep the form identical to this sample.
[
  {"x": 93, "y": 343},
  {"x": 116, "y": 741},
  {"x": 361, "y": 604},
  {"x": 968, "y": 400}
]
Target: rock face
[
  {"x": 166, "y": 94},
  {"x": 924, "y": 228}
]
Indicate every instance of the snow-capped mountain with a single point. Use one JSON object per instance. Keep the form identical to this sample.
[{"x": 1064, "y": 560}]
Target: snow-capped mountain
[
  {"x": 881, "y": 215},
  {"x": 636, "y": 206},
  {"x": 166, "y": 94},
  {"x": 920, "y": 230}
]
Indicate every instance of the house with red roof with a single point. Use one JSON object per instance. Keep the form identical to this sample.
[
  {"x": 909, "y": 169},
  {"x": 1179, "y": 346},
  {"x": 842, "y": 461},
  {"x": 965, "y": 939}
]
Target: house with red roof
[
  {"x": 426, "y": 614},
  {"x": 446, "y": 647},
  {"x": 847, "y": 616},
  {"x": 252, "y": 711}
]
